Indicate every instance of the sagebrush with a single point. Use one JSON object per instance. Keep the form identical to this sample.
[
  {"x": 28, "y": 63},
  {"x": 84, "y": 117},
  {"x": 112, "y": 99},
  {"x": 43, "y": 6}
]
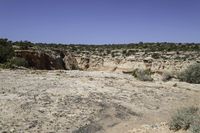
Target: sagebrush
[
  {"x": 143, "y": 74},
  {"x": 186, "y": 118},
  {"x": 167, "y": 75},
  {"x": 191, "y": 74}
]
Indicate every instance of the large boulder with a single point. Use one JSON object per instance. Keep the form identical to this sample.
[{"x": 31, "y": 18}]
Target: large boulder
[
  {"x": 84, "y": 63},
  {"x": 90, "y": 62},
  {"x": 70, "y": 62}
]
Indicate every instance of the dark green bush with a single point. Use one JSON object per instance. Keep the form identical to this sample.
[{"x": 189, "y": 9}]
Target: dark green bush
[
  {"x": 24, "y": 45},
  {"x": 6, "y": 50},
  {"x": 184, "y": 119},
  {"x": 15, "y": 62},
  {"x": 155, "y": 55},
  {"x": 191, "y": 74}
]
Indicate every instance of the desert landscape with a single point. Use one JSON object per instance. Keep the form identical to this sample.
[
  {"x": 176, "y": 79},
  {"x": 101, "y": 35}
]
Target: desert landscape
[
  {"x": 63, "y": 89},
  {"x": 100, "y": 66}
]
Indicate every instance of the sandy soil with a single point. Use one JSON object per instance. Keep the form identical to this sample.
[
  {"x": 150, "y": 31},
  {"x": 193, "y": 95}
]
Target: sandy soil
[{"x": 88, "y": 102}]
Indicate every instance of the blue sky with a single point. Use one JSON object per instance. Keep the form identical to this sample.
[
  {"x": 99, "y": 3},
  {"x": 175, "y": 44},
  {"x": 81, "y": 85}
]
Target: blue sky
[{"x": 100, "y": 21}]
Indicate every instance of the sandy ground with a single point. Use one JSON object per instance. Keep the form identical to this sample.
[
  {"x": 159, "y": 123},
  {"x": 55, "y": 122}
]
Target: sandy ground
[{"x": 88, "y": 102}]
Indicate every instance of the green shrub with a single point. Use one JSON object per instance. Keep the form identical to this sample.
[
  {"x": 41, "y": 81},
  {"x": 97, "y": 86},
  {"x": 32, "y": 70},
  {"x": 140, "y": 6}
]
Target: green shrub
[
  {"x": 15, "y": 62},
  {"x": 143, "y": 74},
  {"x": 184, "y": 119},
  {"x": 195, "y": 128},
  {"x": 155, "y": 55},
  {"x": 24, "y": 45},
  {"x": 6, "y": 50},
  {"x": 191, "y": 74}
]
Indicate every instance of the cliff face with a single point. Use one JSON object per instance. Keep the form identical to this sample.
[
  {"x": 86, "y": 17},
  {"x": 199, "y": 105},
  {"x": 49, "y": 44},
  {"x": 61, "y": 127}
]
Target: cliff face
[
  {"x": 48, "y": 60},
  {"x": 155, "y": 61}
]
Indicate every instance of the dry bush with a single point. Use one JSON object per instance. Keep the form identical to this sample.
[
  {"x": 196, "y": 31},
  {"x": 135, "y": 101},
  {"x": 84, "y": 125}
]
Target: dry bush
[
  {"x": 167, "y": 75},
  {"x": 195, "y": 128},
  {"x": 143, "y": 74},
  {"x": 191, "y": 74},
  {"x": 186, "y": 118}
]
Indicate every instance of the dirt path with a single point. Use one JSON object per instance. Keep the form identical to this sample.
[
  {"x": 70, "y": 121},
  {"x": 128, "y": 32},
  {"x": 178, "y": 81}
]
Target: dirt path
[{"x": 84, "y": 102}]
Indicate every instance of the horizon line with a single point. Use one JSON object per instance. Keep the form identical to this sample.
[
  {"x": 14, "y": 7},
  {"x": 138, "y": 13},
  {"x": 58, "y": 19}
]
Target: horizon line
[{"x": 120, "y": 43}]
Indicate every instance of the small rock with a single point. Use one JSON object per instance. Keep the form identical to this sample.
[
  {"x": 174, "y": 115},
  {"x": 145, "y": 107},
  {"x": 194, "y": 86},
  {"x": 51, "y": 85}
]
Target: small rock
[{"x": 175, "y": 85}]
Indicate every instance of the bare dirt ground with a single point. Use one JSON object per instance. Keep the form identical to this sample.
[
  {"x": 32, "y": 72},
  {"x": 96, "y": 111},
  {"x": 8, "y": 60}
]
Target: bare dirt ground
[{"x": 88, "y": 102}]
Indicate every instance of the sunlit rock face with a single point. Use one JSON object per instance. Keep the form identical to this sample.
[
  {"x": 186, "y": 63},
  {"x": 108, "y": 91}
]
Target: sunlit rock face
[{"x": 156, "y": 61}]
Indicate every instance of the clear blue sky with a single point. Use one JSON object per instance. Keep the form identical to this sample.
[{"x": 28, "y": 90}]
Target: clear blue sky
[{"x": 100, "y": 21}]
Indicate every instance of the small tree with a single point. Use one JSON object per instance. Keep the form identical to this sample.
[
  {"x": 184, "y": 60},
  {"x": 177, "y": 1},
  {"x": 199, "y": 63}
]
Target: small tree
[{"x": 6, "y": 50}]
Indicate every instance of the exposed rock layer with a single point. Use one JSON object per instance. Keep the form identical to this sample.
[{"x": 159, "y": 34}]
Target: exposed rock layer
[
  {"x": 166, "y": 61},
  {"x": 51, "y": 60},
  {"x": 48, "y": 60}
]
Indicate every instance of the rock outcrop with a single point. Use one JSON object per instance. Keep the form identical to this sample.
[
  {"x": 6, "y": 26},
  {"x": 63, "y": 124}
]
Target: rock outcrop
[
  {"x": 162, "y": 61},
  {"x": 48, "y": 60},
  {"x": 70, "y": 62},
  {"x": 51, "y": 59},
  {"x": 84, "y": 62}
]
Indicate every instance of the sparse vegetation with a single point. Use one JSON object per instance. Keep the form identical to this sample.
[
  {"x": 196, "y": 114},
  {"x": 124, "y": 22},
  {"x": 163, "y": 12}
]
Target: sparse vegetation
[
  {"x": 24, "y": 45},
  {"x": 195, "y": 128},
  {"x": 15, "y": 62},
  {"x": 126, "y": 49},
  {"x": 155, "y": 55},
  {"x": 186, "y": 118},
  {"x": 166, "y": 76},
  {"x": 191, "y": 74},
  {"x": 19, "y": 62},
  {"x": 143, "y": 74}
]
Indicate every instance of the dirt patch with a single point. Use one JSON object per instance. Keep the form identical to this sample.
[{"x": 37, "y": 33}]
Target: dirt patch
[{"x": 79, "y": 101}]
